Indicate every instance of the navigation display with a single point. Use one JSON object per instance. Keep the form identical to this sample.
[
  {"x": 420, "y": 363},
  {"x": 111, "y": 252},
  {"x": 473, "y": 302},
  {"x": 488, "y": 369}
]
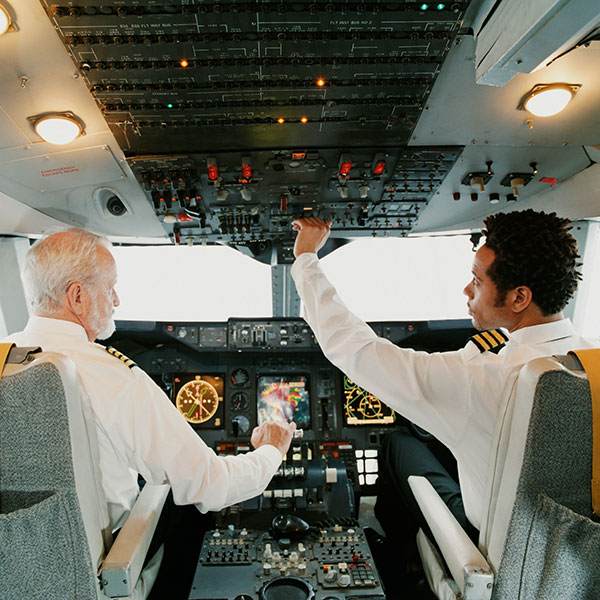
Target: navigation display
[
  {"x": 362, "y": 408},
  {"x": 199, "y": 398},
  {"x": 284, "y": 398}
]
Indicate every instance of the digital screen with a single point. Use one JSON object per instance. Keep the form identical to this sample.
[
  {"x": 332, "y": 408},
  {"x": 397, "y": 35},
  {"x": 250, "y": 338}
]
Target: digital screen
[
  {"x": 362, "y": 408},
  {"x": 284, "y": 398},
  {"x": 199, "y": 398}
]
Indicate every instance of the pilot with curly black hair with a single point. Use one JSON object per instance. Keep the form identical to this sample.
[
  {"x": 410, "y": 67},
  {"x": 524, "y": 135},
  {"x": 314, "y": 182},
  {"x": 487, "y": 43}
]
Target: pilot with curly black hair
[{"x": 523, "y": 277}]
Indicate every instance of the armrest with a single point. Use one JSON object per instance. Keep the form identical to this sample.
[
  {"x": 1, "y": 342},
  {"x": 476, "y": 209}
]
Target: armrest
[
  {"x": 123, "y": 564},
  {"x": 467, "y": 565}
]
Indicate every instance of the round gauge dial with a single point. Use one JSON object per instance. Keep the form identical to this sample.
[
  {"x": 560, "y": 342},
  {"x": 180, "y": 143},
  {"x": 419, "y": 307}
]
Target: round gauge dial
[
  {"x": 240, "y": 377},
  {"x": 239, "y": 401},
  {"x": 242, "y": 424},
  {"x": 197, "y": 401}
]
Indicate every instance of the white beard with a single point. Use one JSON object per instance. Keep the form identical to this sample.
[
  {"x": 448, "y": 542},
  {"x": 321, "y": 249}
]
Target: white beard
[
  {"x": 105, "y": 327},
  {"x": 107, "y": 330}
]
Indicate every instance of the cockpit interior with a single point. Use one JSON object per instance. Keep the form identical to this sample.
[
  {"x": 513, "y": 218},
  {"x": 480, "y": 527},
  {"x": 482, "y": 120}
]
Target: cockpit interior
[{"x": 217, "y": 123}]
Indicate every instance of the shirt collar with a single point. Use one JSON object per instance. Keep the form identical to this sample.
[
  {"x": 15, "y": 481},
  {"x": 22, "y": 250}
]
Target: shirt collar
[
  {"x": 58, "y": 326},
  {"x": 545, "y": 332}
]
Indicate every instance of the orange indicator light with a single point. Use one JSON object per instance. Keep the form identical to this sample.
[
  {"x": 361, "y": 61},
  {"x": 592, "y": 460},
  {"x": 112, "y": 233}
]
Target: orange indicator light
[
  {"x": 184, "y": 63},
  {"x": 304, "y": 120},
  {"x": 281, "y": 120},
  {"x": 320, "y": 82}
]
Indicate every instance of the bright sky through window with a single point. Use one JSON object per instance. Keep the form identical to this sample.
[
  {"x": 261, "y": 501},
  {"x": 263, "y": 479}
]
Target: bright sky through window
[
  {"x": 400, "y": 279},
  {"x": 379, "y": 279},
  {"x": 212, "y": 283}
]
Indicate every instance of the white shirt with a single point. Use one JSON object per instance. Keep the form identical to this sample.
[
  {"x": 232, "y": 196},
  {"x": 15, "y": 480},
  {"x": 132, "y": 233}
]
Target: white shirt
[
  {"x": 141, "y": 431},
  {"x": 453, "y": 395}
]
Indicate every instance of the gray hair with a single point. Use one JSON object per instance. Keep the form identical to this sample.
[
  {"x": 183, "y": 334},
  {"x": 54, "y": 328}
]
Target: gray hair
[{"x": 55, "y": 261}]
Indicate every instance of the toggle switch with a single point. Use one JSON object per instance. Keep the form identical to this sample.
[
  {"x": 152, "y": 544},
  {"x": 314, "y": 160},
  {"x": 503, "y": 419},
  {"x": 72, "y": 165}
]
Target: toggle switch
[
  {"x": 478, "y": 182},
  {"x": 516, "y": 183}
]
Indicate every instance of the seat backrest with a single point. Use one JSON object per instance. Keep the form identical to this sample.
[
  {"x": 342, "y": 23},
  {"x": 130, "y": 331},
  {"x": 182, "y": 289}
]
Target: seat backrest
[
  {"x": 539, "y": 512},
  {"x": 54, "y": 525}
]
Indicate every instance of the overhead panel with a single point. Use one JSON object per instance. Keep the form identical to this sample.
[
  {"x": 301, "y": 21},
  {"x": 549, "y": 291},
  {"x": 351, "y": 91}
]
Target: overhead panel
[{"x": 213, "y": 102}]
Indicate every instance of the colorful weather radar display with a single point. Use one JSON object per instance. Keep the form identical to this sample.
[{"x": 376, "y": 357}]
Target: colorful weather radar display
[
  {"x": 284, "y": 398},
  {"x": 362, "y": 408}
]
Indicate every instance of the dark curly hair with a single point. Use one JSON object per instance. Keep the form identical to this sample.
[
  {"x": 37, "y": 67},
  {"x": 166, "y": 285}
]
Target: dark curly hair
[{"x": 534, "y": 249}]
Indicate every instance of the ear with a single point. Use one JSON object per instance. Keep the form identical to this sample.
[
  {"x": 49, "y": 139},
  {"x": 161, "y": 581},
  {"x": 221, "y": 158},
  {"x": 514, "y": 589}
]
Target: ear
[
  {"x": 75, "y": 298},
  {"x": 521, "y": 298}
]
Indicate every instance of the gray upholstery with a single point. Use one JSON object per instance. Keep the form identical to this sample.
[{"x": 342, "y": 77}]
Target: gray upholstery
[
  {"x": 44, "y": 550},
  {"x": 562, "y": 557},
  {"x": 544, "y": 556}
]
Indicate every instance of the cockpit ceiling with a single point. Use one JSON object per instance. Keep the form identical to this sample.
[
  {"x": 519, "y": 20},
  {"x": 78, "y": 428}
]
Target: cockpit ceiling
[
  {"x": 221, "y": 122},
  {"x": 237, "y": 116}
]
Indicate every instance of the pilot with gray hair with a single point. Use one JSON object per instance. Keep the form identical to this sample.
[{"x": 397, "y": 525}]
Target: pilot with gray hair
[{"x": 69, "y": 278}]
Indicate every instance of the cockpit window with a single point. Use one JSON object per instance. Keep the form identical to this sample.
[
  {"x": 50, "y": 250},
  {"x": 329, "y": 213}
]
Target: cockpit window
[
  {"x": 212, "y": 283},
  {"x": 403, "y": 278}
]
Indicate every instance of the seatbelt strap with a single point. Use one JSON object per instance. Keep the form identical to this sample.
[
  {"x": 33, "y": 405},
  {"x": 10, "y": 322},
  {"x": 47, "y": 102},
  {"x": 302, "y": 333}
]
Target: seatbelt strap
[
  {"x": 4, "y": 352},
  {"x": 590, "y": 360}
]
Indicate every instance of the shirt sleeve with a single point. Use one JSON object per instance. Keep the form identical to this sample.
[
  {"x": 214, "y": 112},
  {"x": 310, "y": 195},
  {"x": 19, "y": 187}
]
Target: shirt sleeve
[
  {"x": 165, "y": 449},
  {"x": 432, "y": 390}
]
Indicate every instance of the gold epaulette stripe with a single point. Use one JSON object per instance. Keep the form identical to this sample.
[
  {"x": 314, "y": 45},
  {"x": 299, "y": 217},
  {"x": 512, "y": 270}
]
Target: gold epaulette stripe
[
  {"x": 480, "y": 342},
  {"x": 489, "y": 340},
  {"x": 499, "y": 335},
  {"x": 114, "y": 352}
]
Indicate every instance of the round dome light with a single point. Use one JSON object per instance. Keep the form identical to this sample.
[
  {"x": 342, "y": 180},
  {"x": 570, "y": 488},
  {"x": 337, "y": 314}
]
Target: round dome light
[
  {"x": 549, "y": 100},
  {"x": 4, "y": 20},
  {"x": 58, "y": 129}
]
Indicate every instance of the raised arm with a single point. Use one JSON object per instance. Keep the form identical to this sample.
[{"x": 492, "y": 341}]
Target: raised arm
[{"x": 428, "y": 389}]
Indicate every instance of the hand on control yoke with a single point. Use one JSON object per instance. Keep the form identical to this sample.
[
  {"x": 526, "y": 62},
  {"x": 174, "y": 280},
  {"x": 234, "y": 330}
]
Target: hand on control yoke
[
  {"x": 276, "y": 434},
  {"x": 312, "y": 234}
]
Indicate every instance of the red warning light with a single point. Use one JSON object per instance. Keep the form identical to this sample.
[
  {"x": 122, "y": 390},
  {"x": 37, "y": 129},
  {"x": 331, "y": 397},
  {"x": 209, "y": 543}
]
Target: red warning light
[
  {"x": 246, "y": 169},
  {"x": 213, "y": 171},
  {"x": 345, "y": 168},
  {"x": 320, "y": 82},
  {"x": 184, "y": 63},
  {"x": 379, "y": 167}
]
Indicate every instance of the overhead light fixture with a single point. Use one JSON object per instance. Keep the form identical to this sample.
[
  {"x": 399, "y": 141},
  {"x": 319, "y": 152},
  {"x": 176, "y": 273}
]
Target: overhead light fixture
[
  {"x": 61, "y": 128},
  {"x": 545, "y": 100},
  {"x": 6, "y": 23}
]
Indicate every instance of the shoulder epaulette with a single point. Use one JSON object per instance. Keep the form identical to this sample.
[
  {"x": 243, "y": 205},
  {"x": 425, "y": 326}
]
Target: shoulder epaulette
[
  {"x": 492, "y": 340},
  {"x": 114, "y": 352}
]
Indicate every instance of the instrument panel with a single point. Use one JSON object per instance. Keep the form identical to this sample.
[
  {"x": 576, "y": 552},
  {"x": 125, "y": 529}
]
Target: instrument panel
[{"x": 227, "y": 378}]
